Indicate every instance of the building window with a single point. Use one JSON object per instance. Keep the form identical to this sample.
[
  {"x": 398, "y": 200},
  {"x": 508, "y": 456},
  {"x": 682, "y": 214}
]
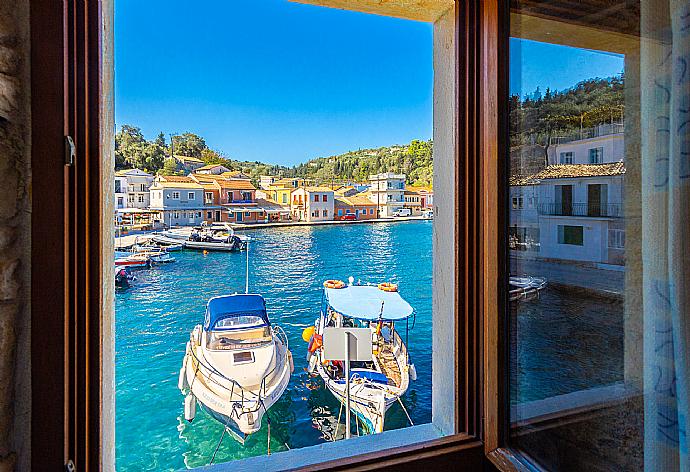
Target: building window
[
  {"x": 120, "y": 201},
  {"x": 285, "y": 198},
  {"x": 371, "y": 211},
  {"x": 209, "y": 198},
  {"x": 617, "y": 238},
  {"x": 229, "y": 196},
  {"x": 190, "y": 195},
  {"x": 517, "y": 203},
  {"x": 566, "y": 158},
  {"x": 316, "y": 197},
  {"x": 340, "y": 212},
  {"x": 142, "y": 188},
  {"x": 246, "y": 213},
  {"x": 324, "y": 213},
  {"x": 572, "y": 235},
  {"x": 176, "y": 214},
  {"x": 176, "y": 195},
  {"x": 141, "y": 199},
  {"x": 198, "y": 214},
  {"x": 209, "y": 215},
  {"x": 118, "y": 186},
  {"x": 325, "y": 198},
  {"x": 596, "y": 155}
]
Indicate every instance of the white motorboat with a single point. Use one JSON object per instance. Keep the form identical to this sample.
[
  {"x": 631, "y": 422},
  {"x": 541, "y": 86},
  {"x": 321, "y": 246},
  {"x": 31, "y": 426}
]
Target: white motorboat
[
  {"x": 215, "y": 237},
  {"x": 236, "y": 365},
  {"x": 132, "y": 261},
  {"x": 525, "y": 288},
  {"x": 157, "y": 254},
  {"x": 374, "y": 385}
]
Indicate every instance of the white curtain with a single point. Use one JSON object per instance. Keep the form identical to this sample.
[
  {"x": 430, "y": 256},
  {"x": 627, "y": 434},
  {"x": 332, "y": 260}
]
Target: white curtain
[{"x": 665, "y": 125}]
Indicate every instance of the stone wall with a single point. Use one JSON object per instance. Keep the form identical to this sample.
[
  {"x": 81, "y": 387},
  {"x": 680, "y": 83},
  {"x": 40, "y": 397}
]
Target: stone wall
[{"x": 15, "y": 233}]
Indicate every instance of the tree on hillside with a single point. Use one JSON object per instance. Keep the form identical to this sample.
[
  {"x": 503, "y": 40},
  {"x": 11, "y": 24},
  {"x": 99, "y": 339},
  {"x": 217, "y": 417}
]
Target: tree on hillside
[
  {"x": 189, "y": 144},
  {"x": 170, "y": 167}
]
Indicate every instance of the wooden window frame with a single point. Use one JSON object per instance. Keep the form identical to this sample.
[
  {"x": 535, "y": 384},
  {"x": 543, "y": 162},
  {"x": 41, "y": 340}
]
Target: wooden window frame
[{"x": 69, "y": 403}]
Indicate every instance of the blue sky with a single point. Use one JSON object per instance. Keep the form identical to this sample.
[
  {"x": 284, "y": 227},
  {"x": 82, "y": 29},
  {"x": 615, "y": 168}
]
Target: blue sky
[{"x": 282, "y": 83}]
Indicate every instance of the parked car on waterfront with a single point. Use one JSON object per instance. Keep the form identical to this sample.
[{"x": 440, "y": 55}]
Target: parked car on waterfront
[
  {"x": 402, "y": 212},
  {"x": 349, "y": 217}
]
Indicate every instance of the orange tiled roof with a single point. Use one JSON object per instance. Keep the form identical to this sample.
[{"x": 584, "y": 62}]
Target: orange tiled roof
[
  {"x": 235, "y": 184},
  {"x": 570, "y": 171},
  {"x": 174, "y": 178}
]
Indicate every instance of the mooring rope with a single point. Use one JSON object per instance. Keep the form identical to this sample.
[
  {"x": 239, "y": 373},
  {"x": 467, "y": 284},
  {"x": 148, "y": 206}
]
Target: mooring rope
[
  {"x": 405, "y": 410},
  {"x": 213, "y": 458}
]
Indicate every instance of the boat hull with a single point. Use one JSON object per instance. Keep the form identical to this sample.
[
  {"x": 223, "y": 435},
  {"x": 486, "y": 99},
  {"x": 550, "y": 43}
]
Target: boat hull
[{"x": 239, "y": 409}]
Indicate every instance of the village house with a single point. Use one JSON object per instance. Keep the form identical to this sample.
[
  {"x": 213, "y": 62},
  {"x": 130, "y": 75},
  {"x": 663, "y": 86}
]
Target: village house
[
  {"x": 230, "y": 200},
  {"x": 345, "y": 190},
  {"x": 138, "y": 183},
  {"x": 188, "y": 163},
  {"x": 358, "y": 205},
  {"x": 214, "y": 169},
  {"x": 413, "y": 201},
  {"x": 387, "y": 191},
  {"x": 312, "y": 204},
  {"x": 426, "y": 195},
  {"x": 266, "y": 181},
  {"x": 599, "y": 145},
  {"x": 179, "y": 201},
  {"x": 120, "y": 191},
  {"x": 236, "y": 174}
]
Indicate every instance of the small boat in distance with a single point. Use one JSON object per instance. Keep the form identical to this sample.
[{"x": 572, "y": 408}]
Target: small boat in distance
[
  {"x": 236, "y": 365},
  {"x": 214, "y": 237},
  {"x": 374, "y": 385},
  {"x": 123, "y": 277}
]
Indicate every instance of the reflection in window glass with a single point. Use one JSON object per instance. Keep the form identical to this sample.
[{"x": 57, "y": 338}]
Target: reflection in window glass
[{"x": 600, "y": 300}]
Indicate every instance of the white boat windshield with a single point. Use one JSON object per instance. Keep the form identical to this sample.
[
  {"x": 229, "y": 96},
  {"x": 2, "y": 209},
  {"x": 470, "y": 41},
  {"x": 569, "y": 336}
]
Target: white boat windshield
[{"x": 241, "y": 338}]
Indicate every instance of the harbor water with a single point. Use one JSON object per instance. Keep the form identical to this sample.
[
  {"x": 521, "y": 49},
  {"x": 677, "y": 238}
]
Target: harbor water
[{"x": 287, "y": 266}]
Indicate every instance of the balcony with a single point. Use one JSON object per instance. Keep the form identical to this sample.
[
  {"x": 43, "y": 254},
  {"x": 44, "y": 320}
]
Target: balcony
[{"x": 610, "y": 210}]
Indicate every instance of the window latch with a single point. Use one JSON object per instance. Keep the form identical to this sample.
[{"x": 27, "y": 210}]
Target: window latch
[
  {"x": 70, "y": 151},
  {"x": 70, "y": 467}
]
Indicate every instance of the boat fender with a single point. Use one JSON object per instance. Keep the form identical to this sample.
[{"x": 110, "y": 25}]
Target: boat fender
[
  {"x": 413, "y": 372},
  {"x": 315, "y": 343},
  {"x": 291, "y": 361},
  {"x": 312, "y": 363},
  {"x": 182, "y": 380},
  {"x": 189, "y": 407},
  {"x": 307, "y": 333}
]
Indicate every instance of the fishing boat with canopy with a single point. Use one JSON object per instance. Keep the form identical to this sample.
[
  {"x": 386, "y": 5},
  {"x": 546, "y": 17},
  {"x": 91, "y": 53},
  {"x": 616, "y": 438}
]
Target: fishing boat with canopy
[
  {"x": 236, "y": 365},
  {"x": 374, "y": 385}
]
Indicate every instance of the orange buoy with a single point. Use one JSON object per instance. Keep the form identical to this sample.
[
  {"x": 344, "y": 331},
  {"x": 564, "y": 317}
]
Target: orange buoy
[
  {"x": 334, "y": 284},
  {"x": 388, "y": 287},
  {"x": 205, "y": 252}
]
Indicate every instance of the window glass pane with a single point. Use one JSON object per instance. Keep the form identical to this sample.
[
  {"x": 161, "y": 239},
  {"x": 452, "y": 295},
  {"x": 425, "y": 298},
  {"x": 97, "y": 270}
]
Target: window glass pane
[
  {"x": 266, "y": 139},
  {"x": 599, "y": 267}
]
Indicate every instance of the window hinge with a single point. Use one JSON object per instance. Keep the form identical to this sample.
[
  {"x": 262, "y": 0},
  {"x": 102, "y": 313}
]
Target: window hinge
[
  {"x": 69, "y": 465},
  {"x": 70, "y": 151}
]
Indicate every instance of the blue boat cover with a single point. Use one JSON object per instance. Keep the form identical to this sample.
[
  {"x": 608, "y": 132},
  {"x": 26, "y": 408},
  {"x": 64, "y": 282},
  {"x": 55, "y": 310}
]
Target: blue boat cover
[
  {"x": 376, "y": 377},
  {"x": 365, "y": 302},
  {"x": 229, "y": 306}
]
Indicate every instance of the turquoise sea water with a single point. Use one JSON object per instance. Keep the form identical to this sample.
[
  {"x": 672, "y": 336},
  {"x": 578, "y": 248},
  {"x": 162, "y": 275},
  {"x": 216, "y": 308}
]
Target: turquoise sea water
[{"x": 287, "y": 266}]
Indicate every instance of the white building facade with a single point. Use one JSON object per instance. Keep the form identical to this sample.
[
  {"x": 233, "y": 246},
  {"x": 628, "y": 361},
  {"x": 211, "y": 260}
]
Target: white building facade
[
  {"x": 312, "y": 204},
  {"x": 120, "y": 192},
  {"x": 387, "y": 190},
  {"x": 601, "y": 145},
  {"x": 138, "y": 183},
  {"x": 179, "y": 203}
]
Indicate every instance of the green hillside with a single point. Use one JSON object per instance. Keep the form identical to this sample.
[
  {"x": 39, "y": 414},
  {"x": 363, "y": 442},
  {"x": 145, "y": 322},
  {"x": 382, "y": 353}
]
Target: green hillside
[{"x": 413, "y": 159}]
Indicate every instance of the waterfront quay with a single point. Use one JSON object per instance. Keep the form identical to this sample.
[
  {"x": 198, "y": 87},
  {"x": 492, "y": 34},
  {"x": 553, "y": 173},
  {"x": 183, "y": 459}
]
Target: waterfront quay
[{"x": 130, "y": 239}]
